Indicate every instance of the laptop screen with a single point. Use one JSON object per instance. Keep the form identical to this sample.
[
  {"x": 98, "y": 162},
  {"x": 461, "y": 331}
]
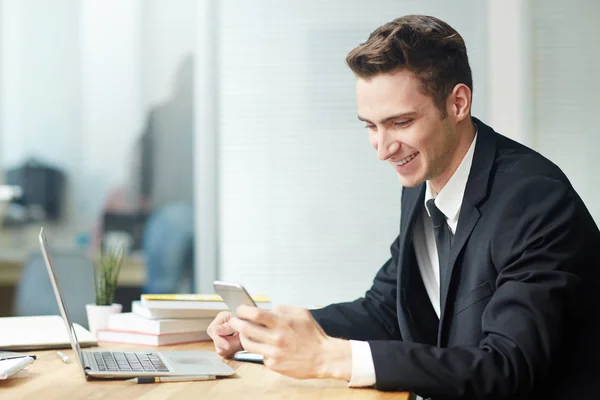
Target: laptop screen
[{"x": 59, "y": 299}]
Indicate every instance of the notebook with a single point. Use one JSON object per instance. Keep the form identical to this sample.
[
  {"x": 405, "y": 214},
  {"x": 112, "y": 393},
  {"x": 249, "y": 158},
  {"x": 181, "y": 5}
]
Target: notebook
[
  {"x": 11, "y": 367},
  {"x": 39, "y": 332}
]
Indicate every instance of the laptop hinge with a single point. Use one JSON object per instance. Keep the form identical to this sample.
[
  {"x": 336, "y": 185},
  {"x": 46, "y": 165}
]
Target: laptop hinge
[{"x": 86, "y": 362}]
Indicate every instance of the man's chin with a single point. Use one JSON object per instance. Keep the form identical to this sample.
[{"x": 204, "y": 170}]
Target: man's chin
[{"x": 409, "y": 181}]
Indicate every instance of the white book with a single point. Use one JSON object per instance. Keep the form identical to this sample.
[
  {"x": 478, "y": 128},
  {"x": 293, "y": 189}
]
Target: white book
[
  {"x": 170, "y": 313},
  {"x": 150, "y": 340},
  {"x": 135, "y": 323}
]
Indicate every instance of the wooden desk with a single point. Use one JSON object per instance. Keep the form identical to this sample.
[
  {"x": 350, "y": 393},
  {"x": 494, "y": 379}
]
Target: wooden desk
[{"x": 50, "y": 378}]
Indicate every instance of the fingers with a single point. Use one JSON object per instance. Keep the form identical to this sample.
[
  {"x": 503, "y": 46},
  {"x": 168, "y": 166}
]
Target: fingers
[
  {"x": 220, "y": 325},
  {"x": 224, "y": 330},
  {"x": 228, "y": 346},
  {"x": 219, "y": 320},
  {"x": 252, "y": 346},
  {"x": 257, "y": 333},
  {"x": 225, "y": 339},
  {"x": 257, "y": 315},
  {"x": 270, "y": 318},
  {"x": 223, "y": 342}
]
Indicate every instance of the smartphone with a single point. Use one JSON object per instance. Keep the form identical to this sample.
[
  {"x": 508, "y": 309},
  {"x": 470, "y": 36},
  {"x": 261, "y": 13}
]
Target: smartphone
[
  {"x": 248, "y": 357},
  {"x": 233, "y": 295}
]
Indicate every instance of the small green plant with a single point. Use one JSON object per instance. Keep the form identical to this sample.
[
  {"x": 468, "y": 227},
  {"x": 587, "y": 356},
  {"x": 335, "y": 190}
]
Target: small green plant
[{"x": 106, "y": 274}]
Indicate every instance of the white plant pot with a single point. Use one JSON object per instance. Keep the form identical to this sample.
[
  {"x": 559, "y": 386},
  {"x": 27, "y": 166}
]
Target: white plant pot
[{"x": 98, "y": 315}]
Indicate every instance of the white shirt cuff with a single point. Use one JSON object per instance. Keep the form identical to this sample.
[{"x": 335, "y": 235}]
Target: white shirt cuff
[{"x": 363, "y": 369}]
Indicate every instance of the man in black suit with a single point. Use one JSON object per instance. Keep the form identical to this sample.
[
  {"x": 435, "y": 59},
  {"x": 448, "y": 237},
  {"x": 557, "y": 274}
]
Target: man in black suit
[{"x": 492, "y": 288}]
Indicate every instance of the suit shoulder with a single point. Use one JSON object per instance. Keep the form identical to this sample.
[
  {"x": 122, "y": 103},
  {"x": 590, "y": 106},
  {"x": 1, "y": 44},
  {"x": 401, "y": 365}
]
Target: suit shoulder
[{"x": 516, "y": 161}]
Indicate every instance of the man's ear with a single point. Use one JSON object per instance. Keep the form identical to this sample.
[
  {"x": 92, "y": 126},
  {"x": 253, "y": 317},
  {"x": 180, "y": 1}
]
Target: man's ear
[{"x": 459, "y": 102}]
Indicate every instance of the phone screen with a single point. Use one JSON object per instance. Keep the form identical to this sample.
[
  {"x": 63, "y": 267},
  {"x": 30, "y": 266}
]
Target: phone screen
[{"x": 233, "y": 295}]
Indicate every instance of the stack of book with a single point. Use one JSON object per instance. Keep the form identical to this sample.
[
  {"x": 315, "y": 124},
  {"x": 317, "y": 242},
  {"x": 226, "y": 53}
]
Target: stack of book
[{"x": 165, "y": 319}]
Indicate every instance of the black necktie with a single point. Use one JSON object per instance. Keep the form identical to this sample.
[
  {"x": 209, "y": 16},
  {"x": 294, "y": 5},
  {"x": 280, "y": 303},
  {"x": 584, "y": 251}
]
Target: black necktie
[{"x": 443, "y": 238}]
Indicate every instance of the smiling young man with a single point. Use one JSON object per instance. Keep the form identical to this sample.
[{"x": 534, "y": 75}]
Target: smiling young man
[{"x": 491, "y": 288}]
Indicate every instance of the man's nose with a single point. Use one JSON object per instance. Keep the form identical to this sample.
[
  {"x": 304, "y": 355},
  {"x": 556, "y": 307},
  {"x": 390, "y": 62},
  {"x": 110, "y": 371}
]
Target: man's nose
[{"x": 386, "y": 146}]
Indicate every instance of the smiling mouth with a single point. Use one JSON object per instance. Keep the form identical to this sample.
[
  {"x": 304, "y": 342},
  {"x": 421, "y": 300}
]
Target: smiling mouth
[{"x": 407, "y": 159}]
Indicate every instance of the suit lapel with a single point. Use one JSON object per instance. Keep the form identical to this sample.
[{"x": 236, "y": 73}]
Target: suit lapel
[
  {"x": 469, "y": 215},
  {"x": 475, "y": 191},
  {"x": 411, "y": 302}
]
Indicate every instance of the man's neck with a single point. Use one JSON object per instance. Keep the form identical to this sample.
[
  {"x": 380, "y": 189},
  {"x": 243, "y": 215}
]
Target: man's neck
[{"x": 466, "y": 135}]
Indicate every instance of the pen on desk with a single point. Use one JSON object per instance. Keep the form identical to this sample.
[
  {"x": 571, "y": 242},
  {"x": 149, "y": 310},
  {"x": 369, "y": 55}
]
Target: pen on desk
[
  {"x": 159, "y": 379},
  {"x": 63, "y": 357}
]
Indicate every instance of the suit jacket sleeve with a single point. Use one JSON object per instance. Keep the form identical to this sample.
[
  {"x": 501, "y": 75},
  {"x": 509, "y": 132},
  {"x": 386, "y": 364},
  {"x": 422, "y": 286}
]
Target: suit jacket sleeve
[
  {"x": 537, "y": 248},
  {"x": 372, "y": 317}
]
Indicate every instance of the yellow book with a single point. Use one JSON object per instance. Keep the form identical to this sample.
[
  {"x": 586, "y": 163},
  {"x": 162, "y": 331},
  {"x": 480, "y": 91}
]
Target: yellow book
[
  {"x": 260, "y": 298},
  {"x": 194, "y": 301}
]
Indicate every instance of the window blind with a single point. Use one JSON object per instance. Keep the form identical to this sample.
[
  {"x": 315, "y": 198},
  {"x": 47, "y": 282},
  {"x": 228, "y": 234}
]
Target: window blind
[
  {"x": 307, "y": 212},
  {"x": 566, "y": 119}
]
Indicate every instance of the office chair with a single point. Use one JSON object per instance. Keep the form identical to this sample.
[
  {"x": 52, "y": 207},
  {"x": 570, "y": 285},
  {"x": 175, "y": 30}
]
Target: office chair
[{"x": 75, "y": 272}]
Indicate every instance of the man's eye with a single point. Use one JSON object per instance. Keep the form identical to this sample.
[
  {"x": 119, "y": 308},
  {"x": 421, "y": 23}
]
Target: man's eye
[
  {"x": 402, "y": 123},
  {"x": 369, "y": 126}
]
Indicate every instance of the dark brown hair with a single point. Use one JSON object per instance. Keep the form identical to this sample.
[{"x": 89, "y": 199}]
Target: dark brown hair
[{"x": 424, "y": 45}]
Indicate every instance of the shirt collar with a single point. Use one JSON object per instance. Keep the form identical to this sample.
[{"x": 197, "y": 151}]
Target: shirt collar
[{"x": 449, "y": 200}]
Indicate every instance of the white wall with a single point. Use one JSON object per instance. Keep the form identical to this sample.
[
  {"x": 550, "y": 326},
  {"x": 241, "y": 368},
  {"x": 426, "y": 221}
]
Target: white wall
[
  {"x": 544, "y": 83},
  {"x": 206, "y": 147},
  {"x": 566, "y": 81},
  {"x": 307, "y": 213},
  {"x": 509, "y": 68}
]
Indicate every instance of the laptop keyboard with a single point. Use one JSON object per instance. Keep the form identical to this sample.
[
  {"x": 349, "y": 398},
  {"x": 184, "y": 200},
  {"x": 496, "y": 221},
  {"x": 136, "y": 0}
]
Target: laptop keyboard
[{"x": 129, "y": 361}]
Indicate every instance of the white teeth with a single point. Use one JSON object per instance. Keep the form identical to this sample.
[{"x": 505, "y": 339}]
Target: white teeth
[{"x": 407, "y": 159}]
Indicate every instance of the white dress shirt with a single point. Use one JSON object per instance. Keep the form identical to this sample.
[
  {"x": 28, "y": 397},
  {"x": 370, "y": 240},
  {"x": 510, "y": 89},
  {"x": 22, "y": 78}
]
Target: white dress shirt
[{"x": 448, "y": 201}]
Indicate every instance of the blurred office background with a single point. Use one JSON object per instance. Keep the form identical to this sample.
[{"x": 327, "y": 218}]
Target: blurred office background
[{"x": 225, "y": 132}]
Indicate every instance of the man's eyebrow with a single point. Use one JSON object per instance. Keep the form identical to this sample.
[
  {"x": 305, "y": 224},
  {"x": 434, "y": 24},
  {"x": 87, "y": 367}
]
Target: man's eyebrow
[{"x": 396, "y": 116}]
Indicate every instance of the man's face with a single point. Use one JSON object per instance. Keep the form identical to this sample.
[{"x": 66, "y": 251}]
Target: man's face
[{"x": 405, "y": 127}]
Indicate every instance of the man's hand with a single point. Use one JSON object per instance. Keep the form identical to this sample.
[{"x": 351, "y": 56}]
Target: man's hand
[
  {"x": 225, "y": 338},
  {"x": 292, "y": 343}
]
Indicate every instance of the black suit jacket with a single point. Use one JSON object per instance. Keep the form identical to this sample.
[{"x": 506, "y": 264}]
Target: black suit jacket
[{"x": 520, "y": 308}]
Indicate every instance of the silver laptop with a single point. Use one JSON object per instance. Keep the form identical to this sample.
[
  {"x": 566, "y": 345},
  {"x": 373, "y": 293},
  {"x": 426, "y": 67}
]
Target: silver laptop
[{"x": 130, "y": 364}]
